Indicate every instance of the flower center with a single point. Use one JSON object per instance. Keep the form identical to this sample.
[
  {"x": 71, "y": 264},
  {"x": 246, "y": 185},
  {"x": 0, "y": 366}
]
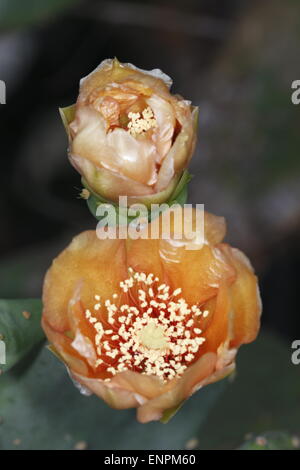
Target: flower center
[
  {"x": 139, "y": 123},
  {"x": 152, "y": 336},
  {"x": 155, "y": 333}
]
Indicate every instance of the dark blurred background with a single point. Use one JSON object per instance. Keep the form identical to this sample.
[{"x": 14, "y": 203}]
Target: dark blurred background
[{"x": 236, "y": 60}]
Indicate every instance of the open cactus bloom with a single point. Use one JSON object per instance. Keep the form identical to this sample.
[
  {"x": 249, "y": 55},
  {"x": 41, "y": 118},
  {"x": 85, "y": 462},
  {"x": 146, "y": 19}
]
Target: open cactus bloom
[
  {"x": 145, "y": 323},
  {"x": 128, "y": 135}
]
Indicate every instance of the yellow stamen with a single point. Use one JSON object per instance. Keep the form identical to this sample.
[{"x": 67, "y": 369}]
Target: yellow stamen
[
  {"x": 140, "y": 124},
  {"x": 154, "y": 337}
]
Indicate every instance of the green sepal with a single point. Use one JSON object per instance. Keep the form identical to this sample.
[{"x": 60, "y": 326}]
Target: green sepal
[
  {"x": 179, "y": 196},
  {"x": 67, "y": 115},
  {"x": 168, "y": 414}
]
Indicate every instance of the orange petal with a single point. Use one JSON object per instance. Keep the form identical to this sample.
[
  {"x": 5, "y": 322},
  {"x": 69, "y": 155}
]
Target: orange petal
[
  {"x": 246, "y": 300},
  {"x": 199, "y": 273},
  {"x": 191, "y": 380},
  {"x": 112, "y": 71},
  {"x": 63, "y": 346},
  {"x": 219, "y": 329},
  {"x": 117, "y": 151},
  {"x": 99, "y": 264},
  {"x": 214, "y": 228},
  {"x": 147, "y": 386},
  {"x": 114, "y": 396}
]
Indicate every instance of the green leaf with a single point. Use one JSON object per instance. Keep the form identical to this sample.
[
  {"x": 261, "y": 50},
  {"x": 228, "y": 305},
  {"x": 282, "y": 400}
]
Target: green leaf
[
  {"x": 272, "y": 441},
  {"x": 15, "y": 14},
  {"x": 41, "y": 408},
  {"x": 20, "y": 328},
  {"x": 264, "y": 395}
]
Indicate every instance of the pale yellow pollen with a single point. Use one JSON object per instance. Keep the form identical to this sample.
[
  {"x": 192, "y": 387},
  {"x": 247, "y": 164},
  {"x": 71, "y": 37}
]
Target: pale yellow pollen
[
  {"x": 189, "y": 357},
  {"x": 124, "y": 307},
  {"x": 98, "y": 338},
  {"x": 161, "y": 287},
  {"x": 112, "y": 370},
  {"x": 149, "y": 279},
  {"x": 205, "y": 313},
  {"x": 113, "y": 354},
  {"x": 177, "y": 291},
  {"x": 150, "y": 292},
  {"x": 85, "y": 194},
  {"x": 87, "y": 314},
  {"x": 98, "y": 327},
  {"x": 128, "y": 319},
  {"x": 163, "y": 296},
  {"x": 154, "y": 338}
]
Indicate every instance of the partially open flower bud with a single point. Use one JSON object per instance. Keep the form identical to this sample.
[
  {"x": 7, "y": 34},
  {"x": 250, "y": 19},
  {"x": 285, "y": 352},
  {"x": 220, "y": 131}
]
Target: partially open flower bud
[
  {"x": 145, "y": 323},
  {"x": 128, "y": 135}
]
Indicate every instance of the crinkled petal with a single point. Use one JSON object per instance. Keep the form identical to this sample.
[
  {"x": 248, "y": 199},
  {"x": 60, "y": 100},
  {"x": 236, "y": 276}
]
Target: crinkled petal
[
  {"x": 191, "y": 380},
  {"x": 165, "y": 118},
  {"x": 133, "y": 158},
  {"x": 114, "y": 396},
  {"x": 108, "y": 184},
  {"x": 89, "y": 260},
  {"x": 221, "y": 322},
  {"x": 117, "y": 151},
  {"x": 246, "y": 300},
  {"x": 63, "y": 346},
  {"x": 198, "y": 273},
  {"x": 112, "y": 71}
]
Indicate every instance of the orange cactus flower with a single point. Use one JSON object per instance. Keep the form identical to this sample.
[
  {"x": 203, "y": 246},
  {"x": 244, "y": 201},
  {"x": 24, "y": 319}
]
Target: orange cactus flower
[
  {"x": 145, "y": 323},
  {"x": 128, "y": 135}
]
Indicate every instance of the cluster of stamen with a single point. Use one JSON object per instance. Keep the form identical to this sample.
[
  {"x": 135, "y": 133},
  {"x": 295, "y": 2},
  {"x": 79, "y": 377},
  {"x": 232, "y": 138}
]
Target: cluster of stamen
[
  {"x": 158, "y": 334},
  {"x": 140, "y": 123}
]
